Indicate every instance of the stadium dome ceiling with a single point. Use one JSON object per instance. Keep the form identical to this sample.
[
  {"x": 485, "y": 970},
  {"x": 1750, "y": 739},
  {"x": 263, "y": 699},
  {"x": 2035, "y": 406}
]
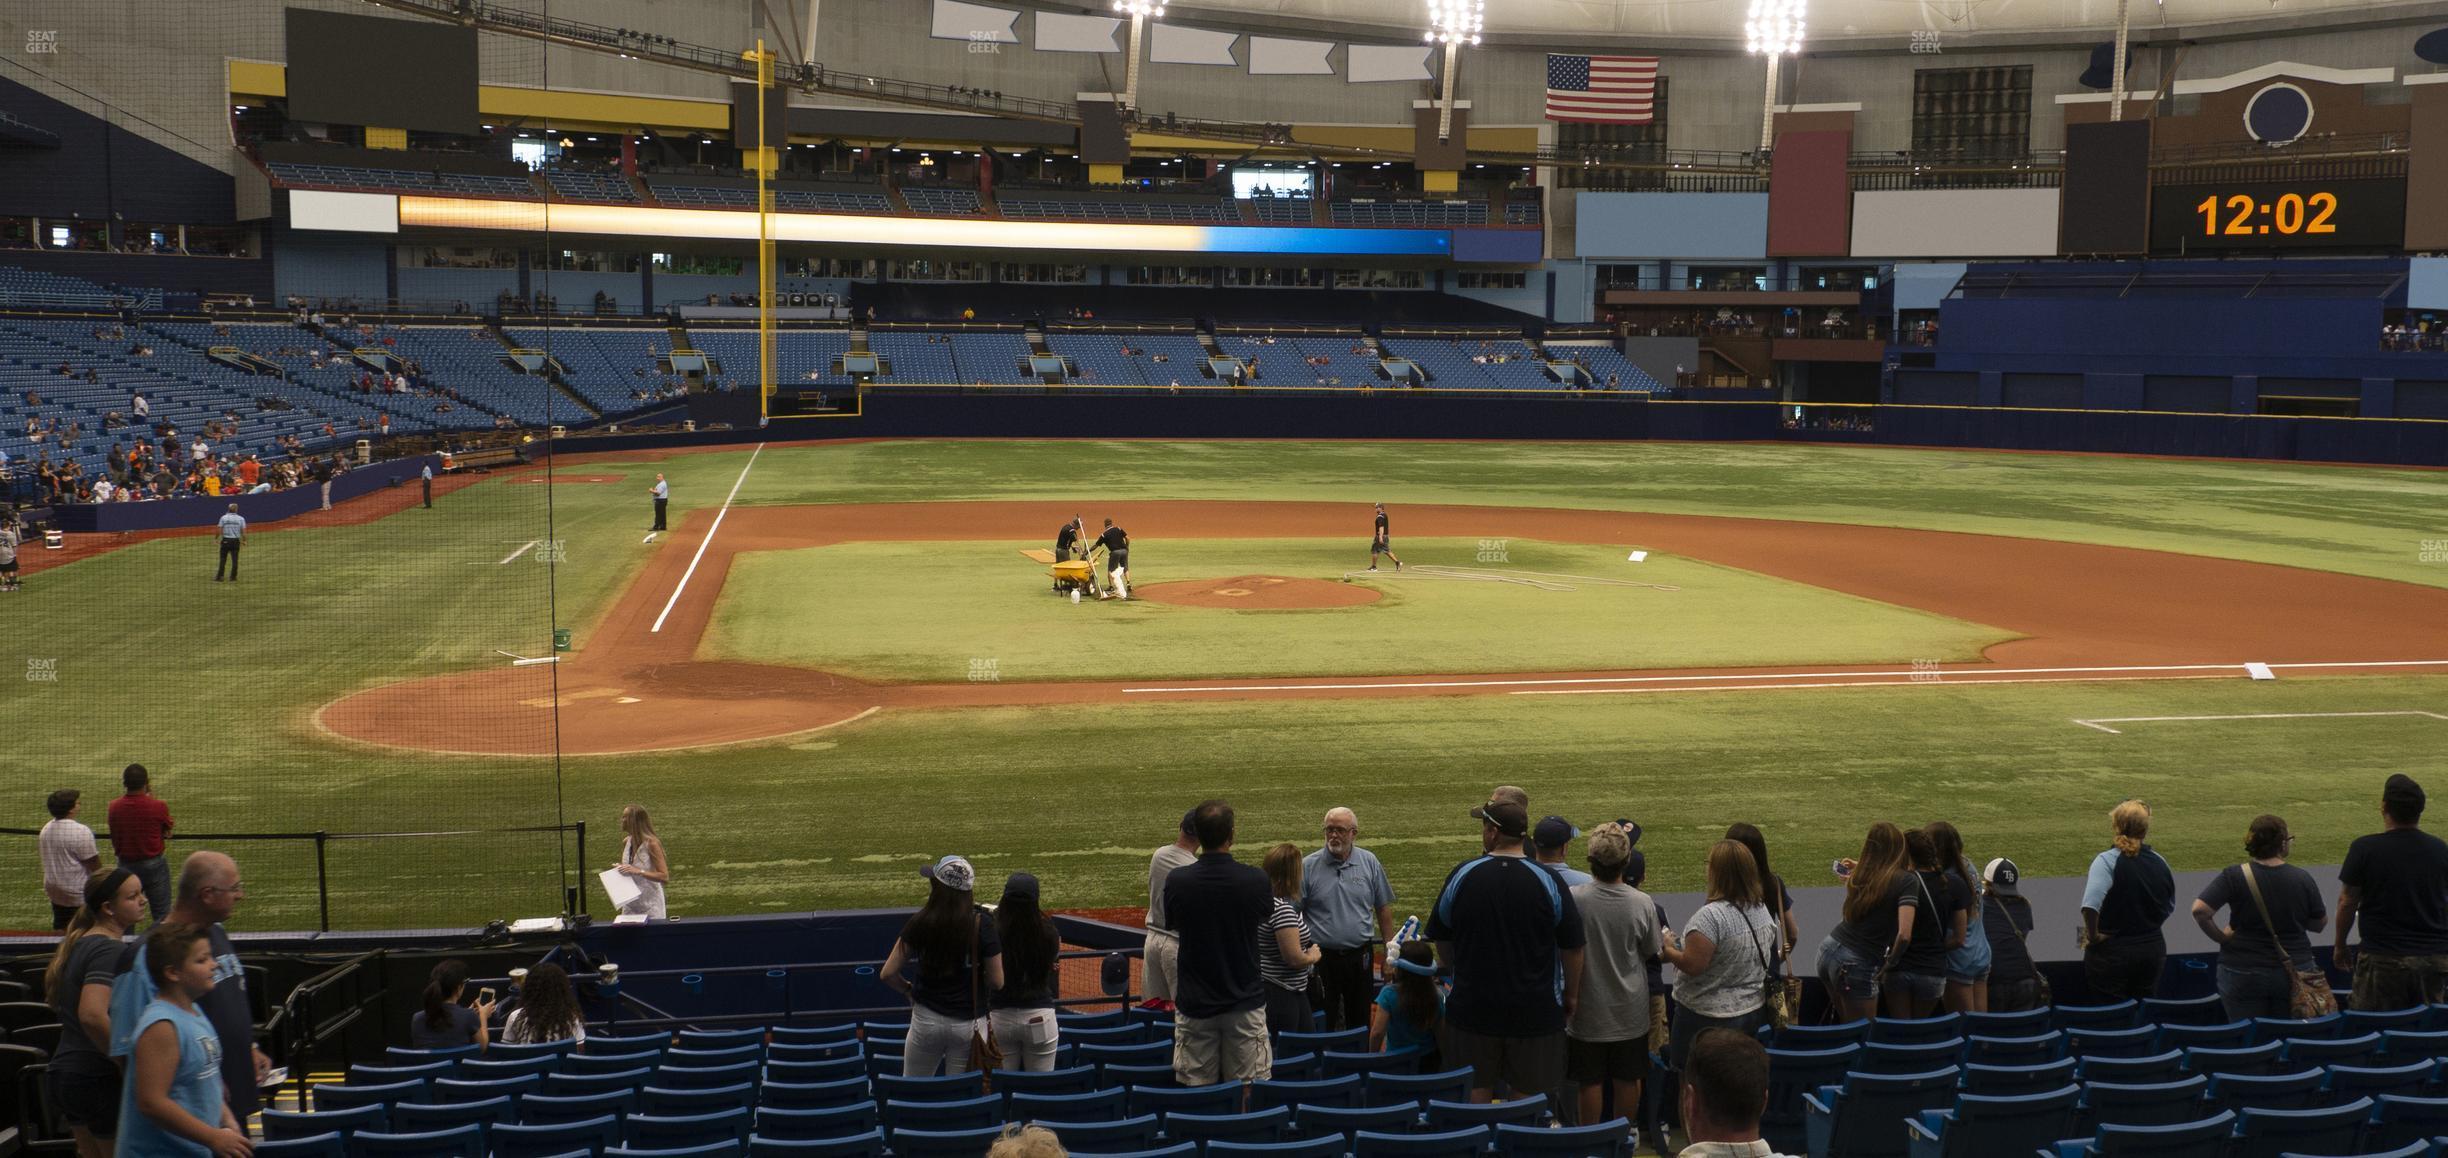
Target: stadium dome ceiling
[{"x": 1556, "y": 22}]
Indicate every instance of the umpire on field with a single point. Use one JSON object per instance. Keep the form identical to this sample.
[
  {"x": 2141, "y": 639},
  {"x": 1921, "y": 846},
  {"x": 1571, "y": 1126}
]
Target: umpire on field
[
  {"x": 233, "y": 536},
  {"x": 662, "y": 499}
]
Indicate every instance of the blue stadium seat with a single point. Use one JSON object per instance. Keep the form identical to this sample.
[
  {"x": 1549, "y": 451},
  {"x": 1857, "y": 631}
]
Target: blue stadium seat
[
  {"x": 1811, "y": 1038},
  {"x": 964, "y": 1114},
  {"x": 2408, "y": 1044},
  {"x": 462, "y": 1142},
  {"x": 2204, "y": 1010},
  {"x": 2348, "y": 1082},
  {"x": 1916, "y": 1031},
  {"x": 1338, "y": 1063},
  {"x": 1463, "y": 1143},
  {"x": 721, "y": 1039},
  {"x": 342, "y": 1097},
  {"x": 400, "y": 1055},
  {"x": 496, "y": 1064},
  {"x": 815, "y": 1051},
  {"x": 2014, "y": 1051},
  {"x": 674, "y": 1103},
  {"x": 1345, "y": 1121},
  {"x": 2282, "y": 1028},
  {"x": 2205, "y": 1138},
  {"x": 1355, "y": 1038},
  {"x": 2251, "y": 1059},
  {"x": 945, "y": 1088},
  {"x": 1115, "y": 1033},
  {"x": 456, "y": 1090},
  {"x": 330, "y": 1145},
  {"x": 1980, "y": 1126},
  {"x": 1599, "y": 1140},
  {"x": 884, "y": 1059},
  {"x": 2361, "y": 1021},
  {"x": 1198, "y": 1100},
  {"x": 1529, "y": 1111},
  {"x": 2428, "y": 1149},
  {"x": 2114, "y": 1015},
  {"x": 1298, "y": 1067},
  {"x": 1858, "y": 1119},
  {"x": 609, "y": 1063},
  {"x": 1123, "y": 1135},
  {"x": 2303, "y": 1051},
  {"x": 2023, "y": 1023},
  {"x": 288, "y": 1124},
  {"x": 725, "y": 1056},
  {"x": 407, "y": 1118},
  {"x": 672, "y": 1077},
  {"x": 869, "y": 1144},
  {"x": 634, "y": 1043},
  {"x": 2143, "y": 1104},
  {"x": 1343, "y": 1091},
  {"x": 1067, "y": 1022},
  {"x": 1096, "y": 1106},
  {"x": 2399, "y": 1119},
  {"x": 1880, "y": 1057},
  {"x": 2087, "y": 1042},
  {"x": 1176, "y": 1150},
  {"x": 709, "y": 1150},
  {"x": 813, "y": 1095},
  {"x": 553, "y": 1109},
  {"x": 1793, "y": 1073},
  {"x": 570, "y": 1085},
  {"x": 802, "y": 1034},
  {"x": 683, "y": 1131},
  {"x": 531, "y": 1139},
  {"x": 2230, "y": 1035},
  {"x": 365, "y": 1075},
  {"x": 1073, "y": 1080},
  {"x": 2240, "y": 1092},
  {"x": 829, "y": 1122},
  {"x": 1139, "y": 1053},
  {"x": 1155, "y": 1075},
  {"x": 969, "y": 1143},
  {"x": 2269, "y": 1133},
  {"x": 1388, "y": 1089},
  {"x": 1328, "y": 1146},
  {"x": 1998, "y": 1081},
  {"x": 1260, "y": 1126}
]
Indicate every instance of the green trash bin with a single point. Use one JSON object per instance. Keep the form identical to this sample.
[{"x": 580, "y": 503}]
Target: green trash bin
[{"x": 561, "y": 639}]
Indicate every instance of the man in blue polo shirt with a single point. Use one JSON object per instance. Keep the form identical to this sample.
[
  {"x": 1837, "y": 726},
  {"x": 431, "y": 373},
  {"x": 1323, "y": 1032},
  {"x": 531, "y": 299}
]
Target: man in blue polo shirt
[
  {"x": 1513, "y": 936},
  {"x": 1349, "y": 904},
  {"x": 233, "y": 536}
]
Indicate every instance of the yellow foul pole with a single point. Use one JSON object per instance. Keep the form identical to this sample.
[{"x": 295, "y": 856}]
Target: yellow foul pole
[{"x": 765, "y": 165}]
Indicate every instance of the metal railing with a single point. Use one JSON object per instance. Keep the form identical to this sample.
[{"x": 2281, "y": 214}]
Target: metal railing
[{"x": 778, "y": 979}]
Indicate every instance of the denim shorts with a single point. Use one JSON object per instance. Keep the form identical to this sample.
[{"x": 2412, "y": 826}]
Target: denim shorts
[
  {"x": 1924, "y": 987},
  {"x": 1969, "y": 965},
  {"x": 1847, "y": 973}
]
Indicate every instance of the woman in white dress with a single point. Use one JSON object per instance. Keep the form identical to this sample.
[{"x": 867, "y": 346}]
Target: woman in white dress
[{"x": 642, "y": 862}]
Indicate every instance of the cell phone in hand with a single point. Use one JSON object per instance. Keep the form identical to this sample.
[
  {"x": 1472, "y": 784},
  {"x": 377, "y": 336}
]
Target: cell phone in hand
[
  {"x": 273, "y": 1077},
  {"x": 484, "y": 996},
  {"x": 1839, "y": 868}
]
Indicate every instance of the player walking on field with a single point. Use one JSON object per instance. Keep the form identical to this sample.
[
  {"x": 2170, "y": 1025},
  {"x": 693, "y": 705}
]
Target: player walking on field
[
  {"x": 1116, "y": 543},
  {"x": 1382, "y": 543}
]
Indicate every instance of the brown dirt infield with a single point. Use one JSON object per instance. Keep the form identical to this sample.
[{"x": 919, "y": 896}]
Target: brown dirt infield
[
  {"x": 1259, "y": 593},
  {"x": 2082, "y": 612}
]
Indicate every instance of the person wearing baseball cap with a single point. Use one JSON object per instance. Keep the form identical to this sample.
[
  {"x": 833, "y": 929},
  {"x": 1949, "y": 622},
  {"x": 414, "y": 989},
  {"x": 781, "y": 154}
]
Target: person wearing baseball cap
[
  {"x": 948, "y": 994},
  {"x": 2006, "y": 919},
  {"x": 1159, "y": 965},
  {"x": 2396, "y": 881},
  {"x": 1513, "y": 935},
  {"x": 1553, "y": 838}
]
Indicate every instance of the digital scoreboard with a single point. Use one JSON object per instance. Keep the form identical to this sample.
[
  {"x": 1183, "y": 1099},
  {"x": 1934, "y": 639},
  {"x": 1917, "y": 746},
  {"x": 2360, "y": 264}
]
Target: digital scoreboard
[{"x": 2278, "y": 215}]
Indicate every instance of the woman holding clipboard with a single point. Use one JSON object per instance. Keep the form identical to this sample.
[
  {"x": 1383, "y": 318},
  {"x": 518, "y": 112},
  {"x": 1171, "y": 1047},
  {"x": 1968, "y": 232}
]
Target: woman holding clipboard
[{"x": 641, "y": 865}]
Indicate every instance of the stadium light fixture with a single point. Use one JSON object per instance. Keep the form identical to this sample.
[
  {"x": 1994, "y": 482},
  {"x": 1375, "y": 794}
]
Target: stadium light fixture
[
  {"x": 1775, "y": 31},
  {"x": 1453, "y": 23},
  {"x": 1139, "y": 12}
]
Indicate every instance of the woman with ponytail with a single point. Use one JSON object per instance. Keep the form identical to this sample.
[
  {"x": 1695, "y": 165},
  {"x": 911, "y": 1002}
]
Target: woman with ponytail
[
  {"x": 444, "y": 1023},
  {"x": 84, "y": 1082},
  {"x": 1882, "y": 903},
  {"x": 2126, "y": 899}
]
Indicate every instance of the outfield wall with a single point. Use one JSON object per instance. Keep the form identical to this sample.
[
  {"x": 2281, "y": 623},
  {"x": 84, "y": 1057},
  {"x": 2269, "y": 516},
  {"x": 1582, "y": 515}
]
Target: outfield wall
[{"x": 269, "y": 507}]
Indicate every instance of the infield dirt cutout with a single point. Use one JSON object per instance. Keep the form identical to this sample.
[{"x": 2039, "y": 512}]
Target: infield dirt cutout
[
  {"x": 1259, "y": 593},
  {"x": 2081, "y": 611}
]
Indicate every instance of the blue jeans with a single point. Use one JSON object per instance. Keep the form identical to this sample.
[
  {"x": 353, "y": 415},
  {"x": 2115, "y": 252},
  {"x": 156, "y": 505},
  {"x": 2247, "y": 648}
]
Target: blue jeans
[
  {"x": 1846, "y": 973},
  {"x": 2254, "y": 992}
]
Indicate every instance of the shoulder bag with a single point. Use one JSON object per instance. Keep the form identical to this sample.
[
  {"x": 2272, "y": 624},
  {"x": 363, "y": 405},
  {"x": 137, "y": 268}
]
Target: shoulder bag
[
  {"x": 1773, "y": 999},
  {"x": 2308, "y": 994},
  {"x": 985, "y": 1052}
]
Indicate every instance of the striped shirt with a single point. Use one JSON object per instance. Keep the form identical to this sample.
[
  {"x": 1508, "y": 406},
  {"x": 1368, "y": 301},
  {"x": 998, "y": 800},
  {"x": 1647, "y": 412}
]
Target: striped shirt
[{"x": 1271, "y": 967}]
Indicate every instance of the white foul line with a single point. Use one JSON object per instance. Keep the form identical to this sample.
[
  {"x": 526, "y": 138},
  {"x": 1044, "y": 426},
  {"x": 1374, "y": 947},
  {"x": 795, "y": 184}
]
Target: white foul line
[
  {"x": 674, "y": 601},
  {"x": 2102, "y": 722},
  {"x": 521, "y": 551},
  {"x": 1930, "y": 677}
]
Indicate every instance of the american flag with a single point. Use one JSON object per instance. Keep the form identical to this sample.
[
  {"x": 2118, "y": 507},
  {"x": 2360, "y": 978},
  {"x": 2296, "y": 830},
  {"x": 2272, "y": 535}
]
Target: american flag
[{"x": 1611, "y": 90}]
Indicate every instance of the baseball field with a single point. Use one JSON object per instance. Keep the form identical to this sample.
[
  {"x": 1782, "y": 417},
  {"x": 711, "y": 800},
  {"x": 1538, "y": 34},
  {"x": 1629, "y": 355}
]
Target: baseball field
[{"x": 838, "y": 665}]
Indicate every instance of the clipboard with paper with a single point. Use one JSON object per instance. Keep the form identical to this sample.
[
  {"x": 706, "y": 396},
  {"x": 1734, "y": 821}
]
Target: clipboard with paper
[{"x": 622, "y": 890}]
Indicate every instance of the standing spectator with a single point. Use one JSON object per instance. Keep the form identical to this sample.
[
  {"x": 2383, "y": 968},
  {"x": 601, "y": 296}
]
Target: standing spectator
[
  {"x": 444, "y": 1023},
  {"x": 1409, "y": 1014},
  {"x": 1287, "y": 950},
  {"x": 1023, "y": 1006},
  {"x": 2269, "y": 904},
  {"x": 2006, "y": 920},
  {"x": 642, "y": 862},
  {"x": 1607, "y": 1037},
  {"x": 1162, "y": 954},
  {"x": 1914, "y": 987},
  {"x": 1216, "y": 905},
  {"x": 1725, "y": 1090},
  {"x": 84, "y": 1085},
  {"x": 425, "y": 479},
  {"x": 1779, "y": 900},
  {"x": 1553, "y": 838},
  {"x": 1881, "y": 904},
  {"x": 1349, "y": 903},
  {"x": 208, "y": 894},
  {"x": 662, "y": 499},
  {"x": 140, "y": 831},
  {"x": 9, "y": 542},
  {"x": 1969, "y": 962},
  {"x": 1723, "y": 958},
  {"x": 1513, "y": 936},
  {"x": 2396, "y": 880},
  {"x": 69, "y": 858},
  {"x": 175, "y": 1102},
  {"x": 2127, "y": 897},
  {"x": 952, "y": 942},
  {"x": 233, "y": 536},
  {"x": 547, "y": 1010},
  {"x": 1651, "y": 1121}
]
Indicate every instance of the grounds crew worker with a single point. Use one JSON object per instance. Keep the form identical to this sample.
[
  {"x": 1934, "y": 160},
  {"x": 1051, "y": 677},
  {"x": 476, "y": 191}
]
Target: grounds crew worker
[
  {"x": 1116, "y": 543},
  {"x": 662, "y": 497},
  {"x": 428, "y": 482},
  {"x": 1067, "y": 544},
  {"x": 233, "y": 536}
]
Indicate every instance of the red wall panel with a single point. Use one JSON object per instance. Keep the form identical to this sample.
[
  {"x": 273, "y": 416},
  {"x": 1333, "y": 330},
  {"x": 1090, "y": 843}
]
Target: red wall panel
[{"x": 1810, "y": 196}]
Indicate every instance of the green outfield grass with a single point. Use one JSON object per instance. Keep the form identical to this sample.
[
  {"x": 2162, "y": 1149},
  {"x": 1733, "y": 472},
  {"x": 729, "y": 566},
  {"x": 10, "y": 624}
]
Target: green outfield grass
[
  {"x": 214, "y": 687},
  {"x": 926, "y": 610}
]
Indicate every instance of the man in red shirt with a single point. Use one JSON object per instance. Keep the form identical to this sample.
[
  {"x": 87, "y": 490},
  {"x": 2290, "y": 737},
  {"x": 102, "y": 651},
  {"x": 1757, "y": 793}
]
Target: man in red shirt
[{"x": 139, "y": 833}]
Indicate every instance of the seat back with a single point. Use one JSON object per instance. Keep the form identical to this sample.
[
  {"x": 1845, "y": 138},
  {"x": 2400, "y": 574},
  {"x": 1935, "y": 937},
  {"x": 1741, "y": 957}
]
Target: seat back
[
  {"x": 869, "y": 1144},
  {"x": 806, "y": 1033},
  {"x": 1258, "y": 1126},
  {"x": 809, "y": 1095},
  {"x": 2226, "y": 1035},
  {"x": 1810, "y": 1038},
  {"x": 1869, "y": 1108},
  {"x": 2281, "y": 1028},
  {"x": 965, "y": 1114},
  {"x": 660, "y": 1101},
  {"x": 2113, "y": 1015},
  {"x": 1073, "y": 1080},
  {"x": 2361, "y": 1021},
  {"x": 2100, "y": 1041},
  {"x": 672, "y": 1077},
  {"x": 1388, "y": 1089},
  {"x": 2031, "y": 1079},
  {"x": 2400, "y": 1119},
  {"x": 2408, "y": 1044},
  {"x": 685, "y": 1054},
  {"x": 489, "y": 1067},
  {"x": 2204, "y": 1010},
  {"x": 1355, "y": 1038},
  {"x": 1335, "y": 1063},
  {"x": 2324, "y": 1051},
  {"x": 1464, "y": 1143},
  {"x": 569, "y": 1085},
  {"x": 328, "y": 1145},
  {"x": 459, "y": 1142},
  {"x": 2030, "y": 1049},
  {"x": 1342, "y": 1091},
  {"x": 825, "y": 1122},
  {"x": 1529, "y": 1111},
  {"x": 1793, "y": 1073},
  {"x": 2023, "y": 1023},
  {"x": 1166, "y": 1100},
  {"x": 606, "y": 1043},
  {"x": 285, "y": 1124},
  {"x": 782, "y": 1050},
  {"x": 2146, "y": 1103},
  {"x": 457, "y": 1090},
  {"x": 1095, "y": 1106},
  {"x": 2348, "y": 1082},
  {"x": 2293, "y": 1091},
  {"x": 609, "y": 1063},
  {"x": 1345, "y": 1121},
  {"x": 2327, "y": 1130},
  {"x": 778, "y": 1069},
  {"x": 554, "y": 1109},
  {"x": 1329, "y": 1146},
  {"x": 408, "y": 1118},
  {"x": 946, "y": 1088},
  {"x": 1599, "y": 1140},
  {"x": 342, "y": 1097},
  {"x": 966, "y": 1143},
  {"x": 1915, "y": 1031},
  {"x": 2251, "y": 1059},
  {"x": 682, "y": 1131},
  {"x": 1985, "y": 1125},
  {"x": 2201, "y": 1138},
  {"x": 1879, "y": 1057},
  {"x": 1121, "y": 1134},
  {"x": 721, "y": 1038}
]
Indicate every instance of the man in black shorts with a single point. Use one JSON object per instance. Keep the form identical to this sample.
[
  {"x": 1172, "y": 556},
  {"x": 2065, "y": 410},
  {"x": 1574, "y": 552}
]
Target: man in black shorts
[
  {"x": 1383, "y": 542},
  {"x": 1116, "y": 543},
  {"x": 1066, "y": 542}
]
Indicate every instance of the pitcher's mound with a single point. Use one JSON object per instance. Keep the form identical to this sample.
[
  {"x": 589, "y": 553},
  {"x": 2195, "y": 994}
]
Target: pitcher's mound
[{"x": 1258, "y": 593}]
